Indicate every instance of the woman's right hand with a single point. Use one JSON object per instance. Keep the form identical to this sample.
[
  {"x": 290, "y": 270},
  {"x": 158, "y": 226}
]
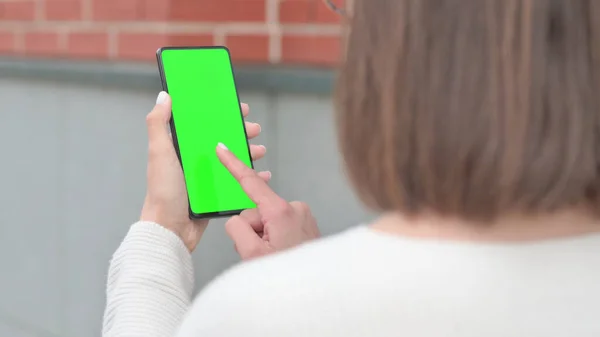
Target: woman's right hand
[{"x": 272, "y": 226}]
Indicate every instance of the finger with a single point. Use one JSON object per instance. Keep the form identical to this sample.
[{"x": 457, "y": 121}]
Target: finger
[
  {"x": 247, "y": 243},
  {"x": 158, "y": 123},
  {"x": 256, "y": 188},
  {"x": 245, "y": 109},
  {"x": 254, "y": 219},
  {"x": 252, "y": 130},
  {"x": 265, "y": 175},
  {"x": 257, "y": 151}
]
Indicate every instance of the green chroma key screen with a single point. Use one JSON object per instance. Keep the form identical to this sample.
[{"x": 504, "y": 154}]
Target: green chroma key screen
[{"x": 206, "y": 111}]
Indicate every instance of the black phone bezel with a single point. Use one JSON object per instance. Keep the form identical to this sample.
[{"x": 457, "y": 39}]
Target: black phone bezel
[{"x": 163, "y": 81}]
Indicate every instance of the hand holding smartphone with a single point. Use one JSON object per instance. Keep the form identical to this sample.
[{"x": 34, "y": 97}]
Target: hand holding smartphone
[{"x": 206, "y": 111}]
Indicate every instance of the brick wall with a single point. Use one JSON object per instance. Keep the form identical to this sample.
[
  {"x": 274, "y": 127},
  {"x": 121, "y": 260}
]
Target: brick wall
[{"x": 256, "y": 31}]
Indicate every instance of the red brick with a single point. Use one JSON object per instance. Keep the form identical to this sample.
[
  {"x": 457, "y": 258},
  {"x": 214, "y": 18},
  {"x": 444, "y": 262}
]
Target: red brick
[
  {"x": 7, "y": 42},
  {"x": 42, "y": 44},
  {"x": 326, "y": 15},
  {"x": 296, "y": 11},
  {"x": 218, "y": 10},
  {"x": 88, "y": 45},
  {"x": 248, "y": 48},
  {"x": 190, "y": 40},
  {"x": 306, "y": 11},
  {"x": 116, "y": 10},
  {"x": 64, "y": 10},
  {"x": 17, "y": 10},
  {"x": 318, "y": 50},
  {"x": 130, "y": 10},
  {"x": 156, "y": 10},
  {"x": 139, "y": 46}
]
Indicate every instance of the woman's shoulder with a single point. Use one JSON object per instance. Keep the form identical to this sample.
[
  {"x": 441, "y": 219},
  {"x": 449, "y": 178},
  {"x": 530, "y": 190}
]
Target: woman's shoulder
[
  {"x": 301, "y": 259},
  {"x": 276, "y": 284},
  {"x": 331, "y": 256}
]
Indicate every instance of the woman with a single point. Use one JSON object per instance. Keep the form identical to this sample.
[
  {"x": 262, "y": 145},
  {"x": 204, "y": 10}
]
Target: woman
[{"x": 473, "y": 126}]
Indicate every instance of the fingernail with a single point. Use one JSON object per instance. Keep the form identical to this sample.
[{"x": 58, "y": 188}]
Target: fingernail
[
  {"x": 259, "y": 127},
  {"x": 269, "y": 174},
  {"x": 162, "y": 97},
  {"x": 221, "y": 145},
  {"x": 263, "y": 147}
]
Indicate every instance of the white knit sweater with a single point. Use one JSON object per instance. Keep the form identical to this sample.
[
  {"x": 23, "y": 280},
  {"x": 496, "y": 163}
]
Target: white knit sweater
[{"x": 359, "y": 283}]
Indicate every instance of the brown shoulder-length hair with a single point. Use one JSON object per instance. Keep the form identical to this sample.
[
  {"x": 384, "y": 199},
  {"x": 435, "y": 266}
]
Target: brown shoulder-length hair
[{"x": 472, "y": 108}]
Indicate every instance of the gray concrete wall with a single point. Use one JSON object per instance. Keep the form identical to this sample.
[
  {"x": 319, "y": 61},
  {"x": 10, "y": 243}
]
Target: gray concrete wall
[{"x": 72, "y": 181}]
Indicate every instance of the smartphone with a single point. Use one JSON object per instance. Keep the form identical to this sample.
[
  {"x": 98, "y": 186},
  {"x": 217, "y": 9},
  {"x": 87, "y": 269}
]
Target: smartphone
[{"x": 206, "y": 111}]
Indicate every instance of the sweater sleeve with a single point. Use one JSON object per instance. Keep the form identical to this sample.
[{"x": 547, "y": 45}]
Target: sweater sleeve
[{"x": 150, "y": 284}]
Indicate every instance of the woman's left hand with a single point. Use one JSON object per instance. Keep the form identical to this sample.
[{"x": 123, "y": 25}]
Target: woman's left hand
[{"x": 166, "y": 201}]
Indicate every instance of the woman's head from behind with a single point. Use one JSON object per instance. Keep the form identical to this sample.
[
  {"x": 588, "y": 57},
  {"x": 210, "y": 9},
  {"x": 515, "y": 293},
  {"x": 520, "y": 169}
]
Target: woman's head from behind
[{"x": 472, "y": 108}]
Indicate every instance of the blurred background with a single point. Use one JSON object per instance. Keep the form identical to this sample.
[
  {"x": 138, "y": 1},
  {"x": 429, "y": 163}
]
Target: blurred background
[{"x": 77, "y": 78}]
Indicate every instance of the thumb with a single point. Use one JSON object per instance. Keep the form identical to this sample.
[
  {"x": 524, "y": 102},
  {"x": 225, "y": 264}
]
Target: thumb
[{"x": 158, "y": 121}]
